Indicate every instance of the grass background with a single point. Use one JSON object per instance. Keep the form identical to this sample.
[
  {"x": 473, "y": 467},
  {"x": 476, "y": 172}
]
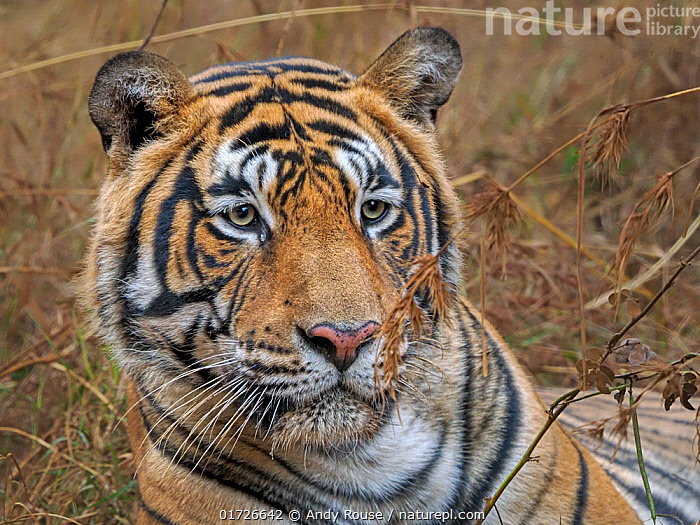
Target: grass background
[{"x": 63, "y": 454}]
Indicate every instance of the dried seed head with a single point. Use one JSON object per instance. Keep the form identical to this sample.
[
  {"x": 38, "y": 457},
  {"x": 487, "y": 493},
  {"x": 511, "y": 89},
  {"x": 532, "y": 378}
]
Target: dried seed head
[
  {"x": 500, "y": 212},
  {"x": 605, "y": 152},
  {"x": 623, "y": 421},
  {"x": 659, "y": 197},
  {"x": 407, "y": 316},
  {"x": 644, "y": 217}
]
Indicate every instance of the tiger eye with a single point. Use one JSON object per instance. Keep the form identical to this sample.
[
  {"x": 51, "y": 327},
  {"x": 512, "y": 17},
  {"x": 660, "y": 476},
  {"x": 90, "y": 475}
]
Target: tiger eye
[
  {"x": 373, "y": 210},
  {"x": 242, "y": 215}
]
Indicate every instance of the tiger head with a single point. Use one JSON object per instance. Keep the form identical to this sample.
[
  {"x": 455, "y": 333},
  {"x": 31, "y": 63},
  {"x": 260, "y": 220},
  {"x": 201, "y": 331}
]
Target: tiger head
[{"x": 258, "y": 221}]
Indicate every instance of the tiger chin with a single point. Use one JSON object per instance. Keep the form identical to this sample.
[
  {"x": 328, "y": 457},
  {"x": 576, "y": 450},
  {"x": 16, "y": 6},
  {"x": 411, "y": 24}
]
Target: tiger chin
[{"x": 256, "y": 224}]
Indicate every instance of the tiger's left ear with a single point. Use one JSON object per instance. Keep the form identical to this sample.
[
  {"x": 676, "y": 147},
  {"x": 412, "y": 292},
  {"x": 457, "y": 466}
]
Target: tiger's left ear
[{"x": 417, "y": 73}]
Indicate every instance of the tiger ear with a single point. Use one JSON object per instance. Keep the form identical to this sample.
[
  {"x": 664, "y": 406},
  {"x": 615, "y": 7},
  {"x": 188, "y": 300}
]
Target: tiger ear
[
  {"x": 417, "y": 73},
  {"x": 134, "y": 98}
]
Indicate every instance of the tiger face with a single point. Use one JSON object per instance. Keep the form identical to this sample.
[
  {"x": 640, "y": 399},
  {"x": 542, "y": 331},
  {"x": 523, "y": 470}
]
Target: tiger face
[{"x": 258, "y": 221}]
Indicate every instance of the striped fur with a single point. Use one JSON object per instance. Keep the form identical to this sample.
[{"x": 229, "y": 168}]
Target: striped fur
[
  {"x": 235, "y": 405},
  {"x": 669, "y": 454}
]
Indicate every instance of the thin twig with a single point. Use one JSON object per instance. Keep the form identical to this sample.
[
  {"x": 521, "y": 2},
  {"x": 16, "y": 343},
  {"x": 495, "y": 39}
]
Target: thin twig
[
  {"x": 553, "y": 414},
  {"x": 683, "y": 264},
  {"x": 153, "y": 27},
  {"x": 579, "y": 235},
  {"x": 287, "y": 27}
]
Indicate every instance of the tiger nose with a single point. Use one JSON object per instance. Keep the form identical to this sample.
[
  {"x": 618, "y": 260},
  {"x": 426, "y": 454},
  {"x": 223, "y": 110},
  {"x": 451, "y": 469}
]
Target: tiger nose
[{"x": 340, "y": 345}]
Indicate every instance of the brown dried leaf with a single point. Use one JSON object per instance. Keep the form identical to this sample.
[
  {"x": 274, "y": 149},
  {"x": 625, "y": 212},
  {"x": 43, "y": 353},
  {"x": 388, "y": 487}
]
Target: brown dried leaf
[
  {"x": 687, "y": 391},
  {"x": 620, "y": 395},
  {"x": 601, "y": 382},
  {"x": 633, "y": 307},
  {"x": 607, "y": 372},
  {"x": 595, "y": 354},
  {"x": 685, "y": 403},
  {"x": 672, "y": 391}
]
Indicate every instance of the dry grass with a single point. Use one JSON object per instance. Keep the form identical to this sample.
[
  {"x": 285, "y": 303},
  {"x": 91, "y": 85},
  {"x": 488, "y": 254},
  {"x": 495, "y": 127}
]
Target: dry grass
[{"x": 63, "y": 454}]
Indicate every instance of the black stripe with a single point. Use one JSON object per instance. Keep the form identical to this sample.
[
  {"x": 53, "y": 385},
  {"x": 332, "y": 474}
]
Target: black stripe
[
  {"x": 234, "y": 183},
  {"x": 627, "y": 458},
  {"x": 167, "y": 302},
  {"x": 275, "y": 94},
  {"x": 508, "y": 422},
  {"x": 232, "y": 472},
  {"x": 325, "y": 103},
  {"x": 427, "y": 218},
  {"x": 265, "y": 132},
  {"x": 398, "y": 223},
  {"x": 582, "y": 492},
  {"x": 159, "y": 518},
  {"x": 271, "y": 67},
  {"x": 335, "y": 130},
  {"x": 222, "y": 236},
  {"x": 661, "y": 503},
  {"x": 311, "y": 83},
  {"x": 237, "y": 114},
  {"x": 191, "y": 244},
  {"x": 227, "y": 90},
  {"x": 185, "y": 189},
  {"x": 443, "y": 232},
  {"x": 131, "y": 253}
]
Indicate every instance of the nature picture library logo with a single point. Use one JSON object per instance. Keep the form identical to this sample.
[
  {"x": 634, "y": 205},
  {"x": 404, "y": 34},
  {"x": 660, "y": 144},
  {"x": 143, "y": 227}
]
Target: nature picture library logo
[{"x": 662, "y": 20}]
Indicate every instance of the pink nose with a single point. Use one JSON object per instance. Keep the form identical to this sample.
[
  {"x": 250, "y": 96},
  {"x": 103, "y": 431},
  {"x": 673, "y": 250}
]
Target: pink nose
[{"x": 340, "y": 345}]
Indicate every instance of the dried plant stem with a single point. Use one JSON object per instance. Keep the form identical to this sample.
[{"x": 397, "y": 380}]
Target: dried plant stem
[
  {"x": 482, "y": 291},
  {"x": 555, "y": 410},
  {"x": 690, "y": 209},
  {"x": 645, "y": 213},
  {"x": 640, "y": 458},
  {"x": 545, "y": 160},
  {"x": 49, "y": 446},
  {"x": 579, "y": 238},
  {"x": 38, "y": 361},
  {"x": 194, "y": 31},
  {"x": 32, "y": 269},
  {"x": 257, "y": 19},
  {"x": 618, "y": 136},
  {"x": 669, "y": 96},
  {"x": 46, "y": 192},
  {"x": 683, "y": 265},
  {"x": 540, "y": 219}
]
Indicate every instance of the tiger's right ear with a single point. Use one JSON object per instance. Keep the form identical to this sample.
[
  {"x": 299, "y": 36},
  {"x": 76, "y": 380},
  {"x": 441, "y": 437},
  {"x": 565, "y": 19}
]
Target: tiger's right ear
[{"x": 134, "y": 99}]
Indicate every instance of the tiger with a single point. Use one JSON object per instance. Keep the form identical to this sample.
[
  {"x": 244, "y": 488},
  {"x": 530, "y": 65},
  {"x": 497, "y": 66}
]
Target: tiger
[{"x": 256, "y": 224}]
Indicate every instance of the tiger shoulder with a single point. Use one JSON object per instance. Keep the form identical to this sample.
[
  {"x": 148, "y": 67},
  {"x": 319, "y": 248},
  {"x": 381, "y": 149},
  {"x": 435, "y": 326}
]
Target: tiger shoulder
[{"x": 255, "y": 226}]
